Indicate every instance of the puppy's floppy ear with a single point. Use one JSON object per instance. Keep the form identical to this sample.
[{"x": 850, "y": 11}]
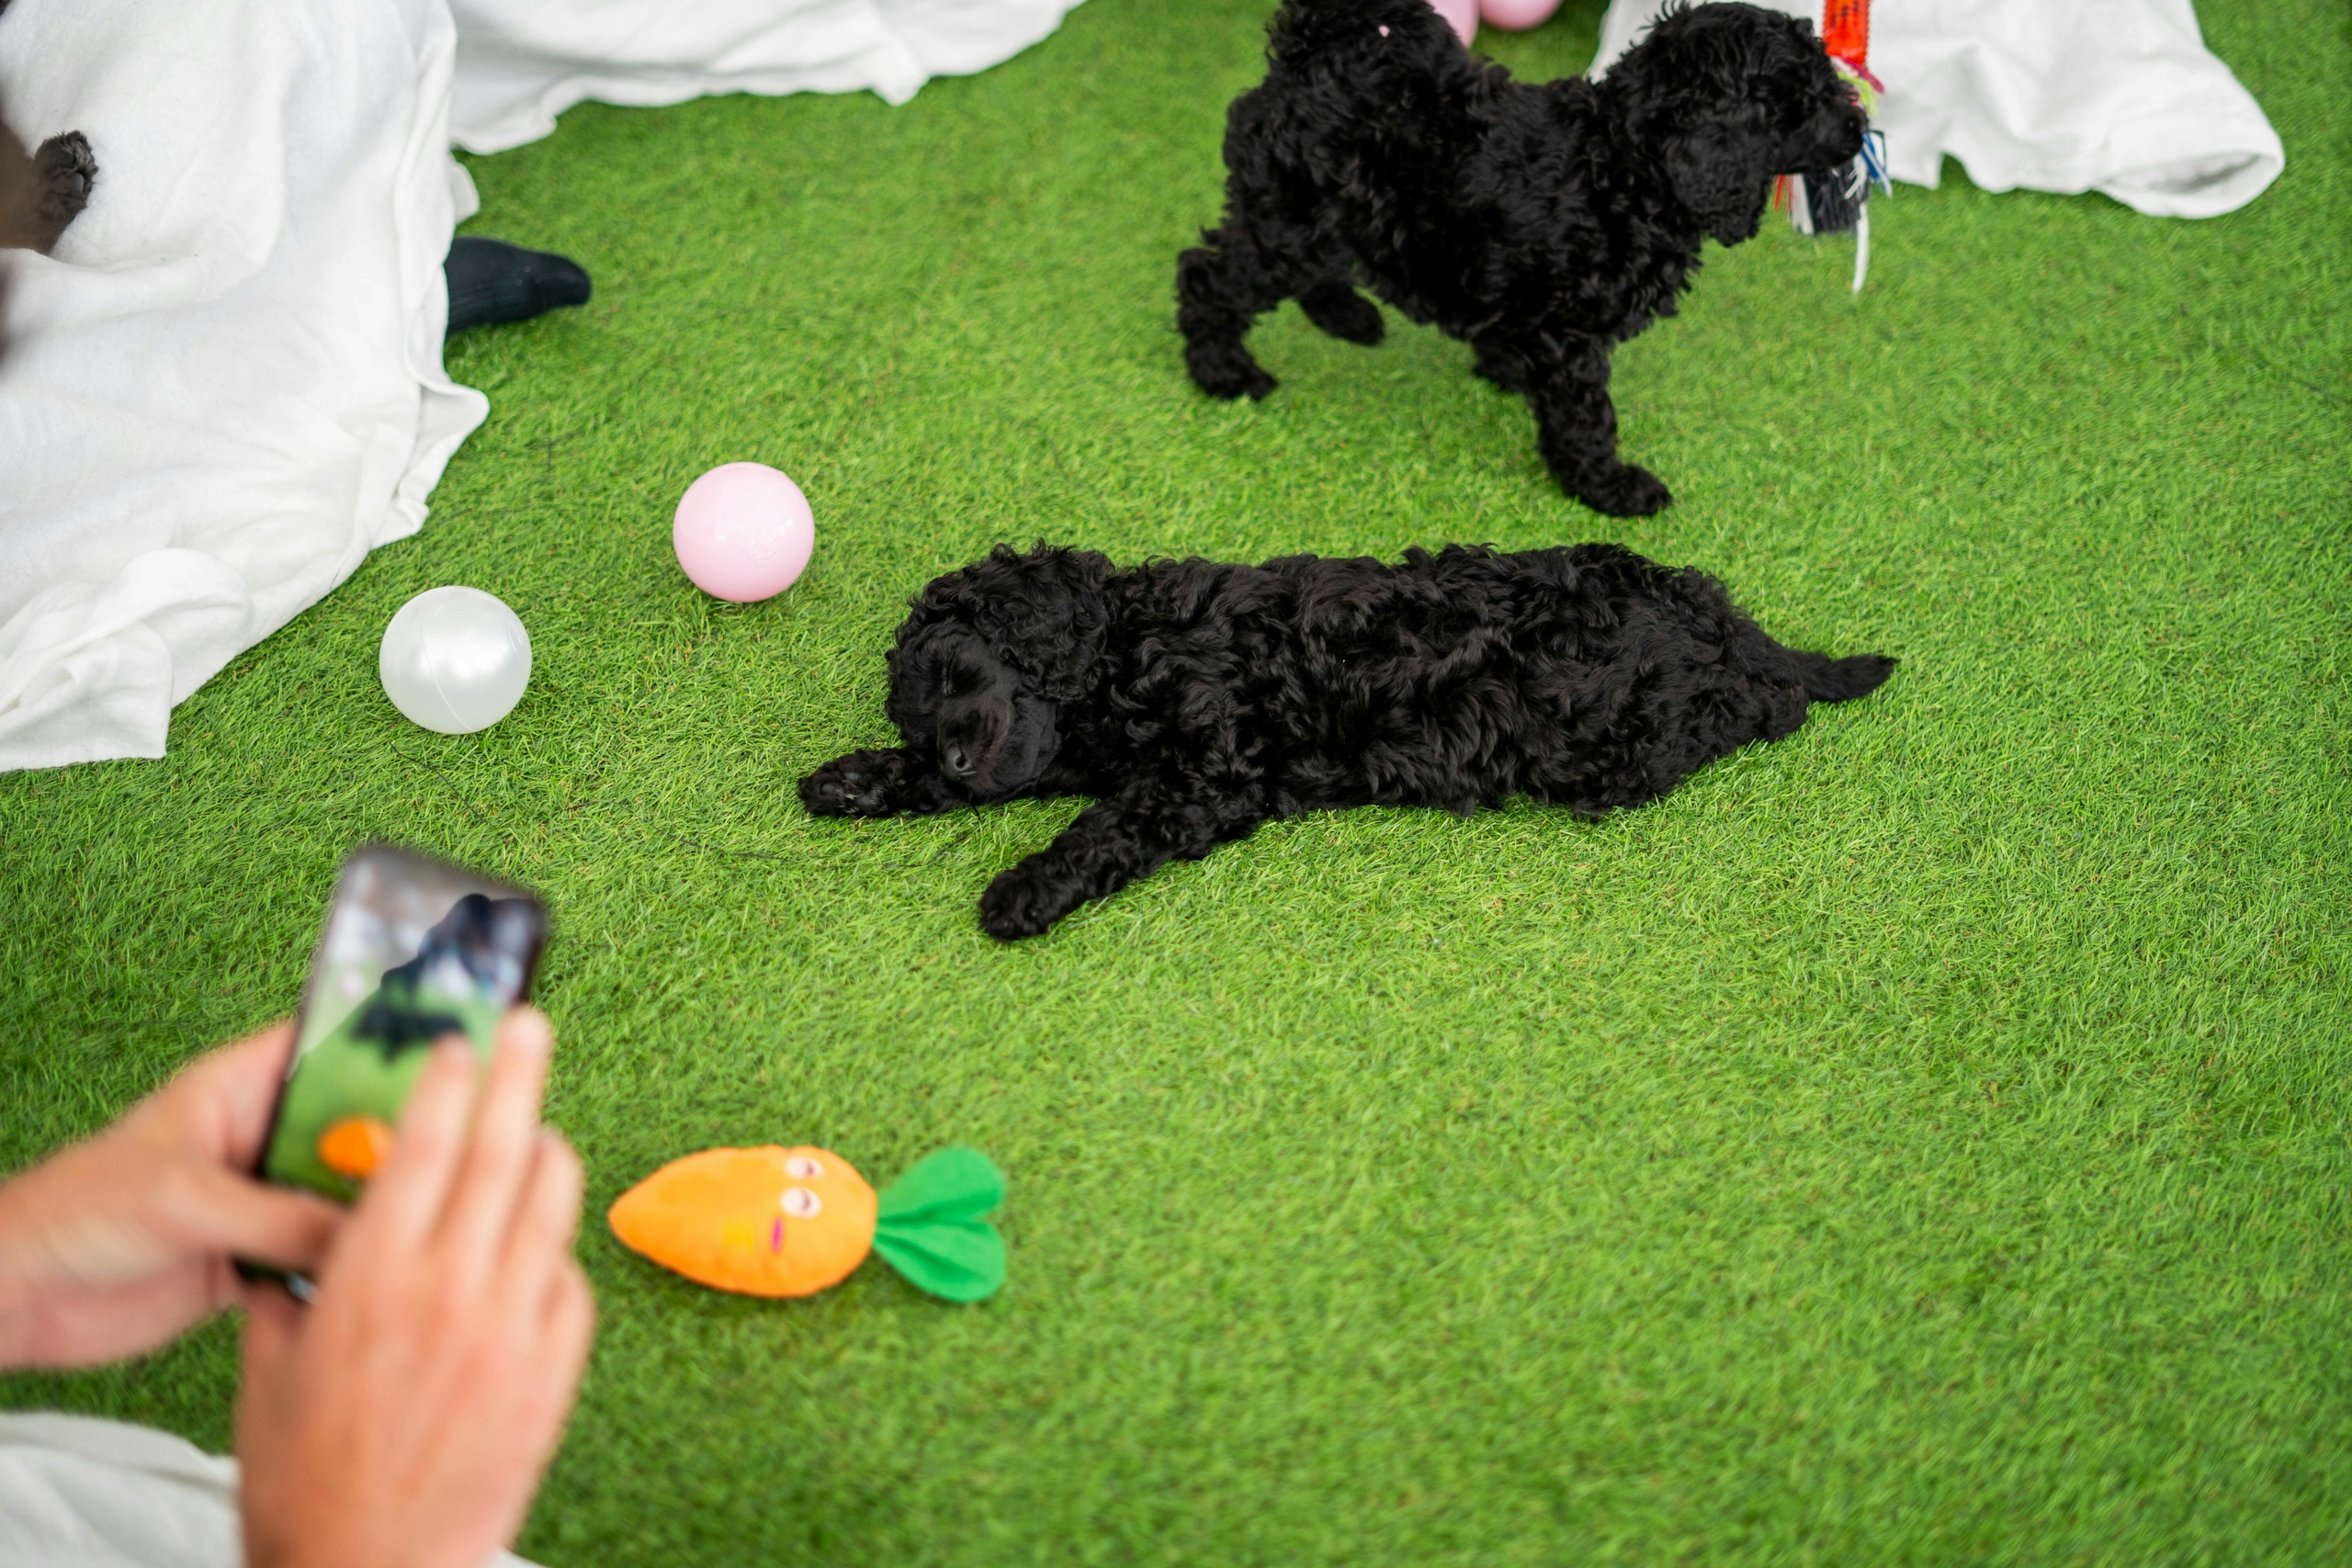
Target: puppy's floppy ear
[
  {"x": 1722, "y": 170},
  {"x": 1694, "y": 89},
  {"x": 1044, "y": 613}
]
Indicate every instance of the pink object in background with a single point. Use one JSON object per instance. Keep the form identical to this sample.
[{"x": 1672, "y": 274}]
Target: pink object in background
[
  {"x": 1461, "y": 16},
  {"x": 743, "y": 532},
  {"x": 1516, "y": 15}
]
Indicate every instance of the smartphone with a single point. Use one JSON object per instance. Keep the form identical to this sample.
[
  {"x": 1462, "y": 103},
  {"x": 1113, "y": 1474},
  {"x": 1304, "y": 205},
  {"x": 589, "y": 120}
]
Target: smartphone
[{"x": 413, "y": 950}]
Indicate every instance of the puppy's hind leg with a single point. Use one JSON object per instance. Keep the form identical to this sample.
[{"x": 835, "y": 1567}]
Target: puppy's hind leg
[
  {"x": 1339, "y": 309},
  {"x": 1222, "y": 286}
]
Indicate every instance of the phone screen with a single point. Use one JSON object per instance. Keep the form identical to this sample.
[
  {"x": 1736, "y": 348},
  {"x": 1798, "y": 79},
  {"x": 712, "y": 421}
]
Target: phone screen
[{"x": 413, "y": 950}]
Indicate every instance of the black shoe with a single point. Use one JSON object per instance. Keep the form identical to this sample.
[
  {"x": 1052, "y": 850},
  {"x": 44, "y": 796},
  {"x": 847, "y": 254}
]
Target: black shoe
[{"x": 491, "y": 281}]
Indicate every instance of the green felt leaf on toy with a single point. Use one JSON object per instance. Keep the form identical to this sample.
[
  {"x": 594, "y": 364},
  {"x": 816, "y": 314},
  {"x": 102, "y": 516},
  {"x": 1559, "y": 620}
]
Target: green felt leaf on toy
[{"x": 931, "y": 1226}]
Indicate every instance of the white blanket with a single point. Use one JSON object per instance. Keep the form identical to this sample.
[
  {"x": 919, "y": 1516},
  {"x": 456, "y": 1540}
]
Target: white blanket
[
  {"x": 76, "y": 1492},
  {"x": 2119, "y": 96},
  {"x": 226, "y": 386},
  {"x": 522, "y": 63}
]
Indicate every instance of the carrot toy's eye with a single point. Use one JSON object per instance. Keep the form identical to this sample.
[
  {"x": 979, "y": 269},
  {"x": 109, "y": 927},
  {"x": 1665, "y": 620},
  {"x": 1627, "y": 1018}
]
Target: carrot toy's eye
[
  {"x": 802, "y": 1203},
  {"x": 800, "y": 1168}
]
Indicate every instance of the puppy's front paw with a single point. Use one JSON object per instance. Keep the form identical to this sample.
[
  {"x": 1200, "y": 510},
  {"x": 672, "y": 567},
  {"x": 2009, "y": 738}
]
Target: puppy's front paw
[
  {"x": 1225, "y": 370},
  {"x": 1626, "y": 490},
  {"x": 1019, "y": 903},
  {"x": 860, "y": 785}
]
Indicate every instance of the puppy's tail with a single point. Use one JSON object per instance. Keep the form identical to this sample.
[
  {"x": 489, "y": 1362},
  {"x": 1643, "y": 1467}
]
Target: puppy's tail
[{"x": 1828, "y": 679}]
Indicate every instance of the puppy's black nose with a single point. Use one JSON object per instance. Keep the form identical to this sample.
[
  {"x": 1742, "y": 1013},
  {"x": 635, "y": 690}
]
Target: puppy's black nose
[
  {"x": 959, "y": 761},
  {"x": 1847, "y": 142}
]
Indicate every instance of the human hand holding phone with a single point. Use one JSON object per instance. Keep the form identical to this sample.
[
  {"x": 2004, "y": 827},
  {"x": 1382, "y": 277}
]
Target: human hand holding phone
[
  {"x": 402, "y": 1420},
  {"x": 116, "y": 1245}
]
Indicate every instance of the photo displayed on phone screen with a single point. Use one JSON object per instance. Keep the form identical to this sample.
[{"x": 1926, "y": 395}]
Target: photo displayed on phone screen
[{"x": 413, "y": 950}]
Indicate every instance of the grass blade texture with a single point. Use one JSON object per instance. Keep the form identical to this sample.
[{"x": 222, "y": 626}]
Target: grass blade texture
[{"x": 1918, "y": 1139}]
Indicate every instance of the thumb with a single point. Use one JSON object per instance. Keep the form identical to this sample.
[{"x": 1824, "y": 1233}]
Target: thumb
[{"x": 215, "y": 1209}]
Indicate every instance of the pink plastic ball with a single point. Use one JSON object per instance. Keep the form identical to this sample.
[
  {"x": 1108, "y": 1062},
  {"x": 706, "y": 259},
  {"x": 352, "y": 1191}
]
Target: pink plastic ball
[
  {"x": 1516, "y": 15},
  {"x": 743, "y": 532},
  {"x": 1461, "y": 16}
]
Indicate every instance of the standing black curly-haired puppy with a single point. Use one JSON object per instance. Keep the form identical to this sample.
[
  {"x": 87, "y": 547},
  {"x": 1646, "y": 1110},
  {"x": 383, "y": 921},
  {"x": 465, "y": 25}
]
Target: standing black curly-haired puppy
[
  {"x": 1542, "y": 225},
  {"x": 1194, "y": 699}
]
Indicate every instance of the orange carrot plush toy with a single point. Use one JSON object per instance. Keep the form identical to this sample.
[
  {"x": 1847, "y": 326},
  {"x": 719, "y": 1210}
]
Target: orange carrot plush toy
[{"x": 778, "y": 1222}]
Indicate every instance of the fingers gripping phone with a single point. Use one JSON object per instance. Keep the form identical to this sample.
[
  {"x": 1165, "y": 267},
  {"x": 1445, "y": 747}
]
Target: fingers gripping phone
[{"x": 413, "y": 950}]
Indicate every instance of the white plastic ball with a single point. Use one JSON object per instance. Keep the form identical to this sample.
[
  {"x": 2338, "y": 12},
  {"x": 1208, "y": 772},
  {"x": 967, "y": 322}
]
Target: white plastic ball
[{"x": 455, "y": 660}]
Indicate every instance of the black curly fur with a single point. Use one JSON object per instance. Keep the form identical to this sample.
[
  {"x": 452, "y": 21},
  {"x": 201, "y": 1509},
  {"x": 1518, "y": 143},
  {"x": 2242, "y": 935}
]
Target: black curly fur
[
  {"x": 1193, "y": 699},
  {"x": 1542, "y": 225}
]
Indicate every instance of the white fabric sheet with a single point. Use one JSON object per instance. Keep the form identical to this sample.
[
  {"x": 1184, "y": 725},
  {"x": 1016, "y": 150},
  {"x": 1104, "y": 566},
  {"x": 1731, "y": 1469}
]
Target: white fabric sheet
[
  {"x": 2119, "y": 96},
  {"x": 226, "y": 386},
  {"x": 75, "y": 1493},
  {"x": 522, "y": 63}
]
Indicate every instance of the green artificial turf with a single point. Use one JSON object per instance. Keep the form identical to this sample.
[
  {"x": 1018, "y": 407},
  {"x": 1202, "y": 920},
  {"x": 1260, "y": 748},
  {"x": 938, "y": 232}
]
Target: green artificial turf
[{"x": 1920, "y": 1140}]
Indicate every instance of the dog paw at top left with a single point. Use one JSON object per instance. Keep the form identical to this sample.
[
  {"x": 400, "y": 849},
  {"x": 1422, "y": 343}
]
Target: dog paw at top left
[{"x": 67, "y": 171}]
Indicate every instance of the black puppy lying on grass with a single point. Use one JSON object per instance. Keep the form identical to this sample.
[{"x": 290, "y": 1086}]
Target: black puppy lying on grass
[
  {"x": 1542, "y": 225},
  {"x": 1193, "y": 699}
]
